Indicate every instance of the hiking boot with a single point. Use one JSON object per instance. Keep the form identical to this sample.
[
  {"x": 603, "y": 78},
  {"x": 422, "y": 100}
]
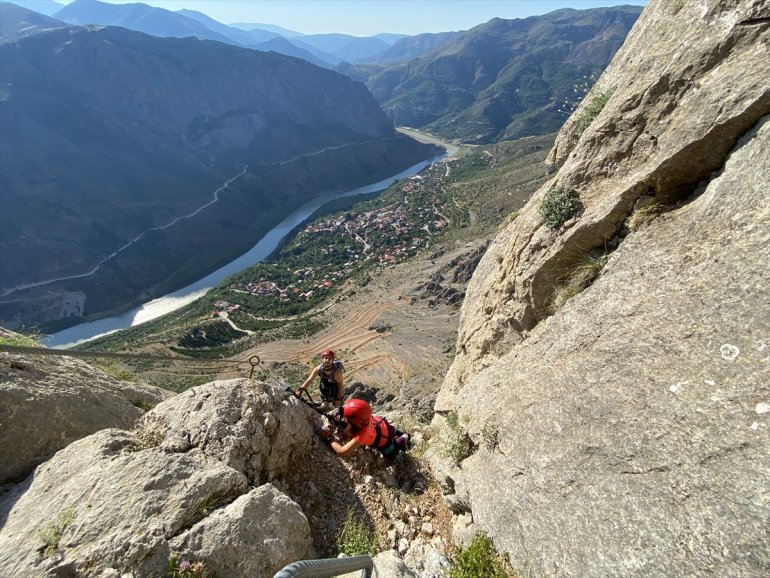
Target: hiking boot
[{"x": 403, "y": 442}]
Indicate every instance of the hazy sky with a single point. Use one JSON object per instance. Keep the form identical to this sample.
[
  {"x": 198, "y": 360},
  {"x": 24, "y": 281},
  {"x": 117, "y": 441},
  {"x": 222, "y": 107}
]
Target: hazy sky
[{"x": 369, "y": 17}]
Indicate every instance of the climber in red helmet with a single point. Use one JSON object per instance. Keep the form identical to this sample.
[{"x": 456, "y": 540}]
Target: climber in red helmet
[
  {"x": 367, "y": 430},
  {"x": 332, "y": 380}
]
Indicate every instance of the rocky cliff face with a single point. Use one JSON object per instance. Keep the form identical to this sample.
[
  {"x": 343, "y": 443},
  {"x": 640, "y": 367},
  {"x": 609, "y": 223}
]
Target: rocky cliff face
[
  {"x": 197, "y": 478},
  {"x": 626, "y": 434},
  {"x": 47, "y": 403},
  {"x": 229, "y": 474}
]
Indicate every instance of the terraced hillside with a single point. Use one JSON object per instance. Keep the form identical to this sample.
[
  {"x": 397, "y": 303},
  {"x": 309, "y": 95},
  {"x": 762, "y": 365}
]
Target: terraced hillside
[{"x": 395, "y": 331}]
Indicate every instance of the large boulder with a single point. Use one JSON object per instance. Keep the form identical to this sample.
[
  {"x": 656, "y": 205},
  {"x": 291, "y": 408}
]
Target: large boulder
[
  {"x": 626, "y": 434},
  {"x": 49, "y": 401},
  {"x": 187, "y": 484}
]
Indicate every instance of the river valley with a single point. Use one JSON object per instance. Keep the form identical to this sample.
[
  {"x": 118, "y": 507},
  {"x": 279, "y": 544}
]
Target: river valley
[{"x": 259, "y": 252}]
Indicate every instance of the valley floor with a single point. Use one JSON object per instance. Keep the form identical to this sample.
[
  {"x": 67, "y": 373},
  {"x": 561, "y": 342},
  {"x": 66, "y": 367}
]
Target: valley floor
[{"x": 415, "y": 341}]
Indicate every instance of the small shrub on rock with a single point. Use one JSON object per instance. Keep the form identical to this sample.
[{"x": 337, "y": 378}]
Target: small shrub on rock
[
  {"x": 181, "y": 568},
  {"x": 644, "y": 214},
  {"x": 356, "y": 538},
  {"x": 458, "y": 445},
  {"x": 479, "y": 559},
  {"x": 54, "y": 531},
  {"x": 559, "y": 204},
  {"x": 592, "y": 109},
  {"x": 585, "y": 271},
  {"x": 490, "y": 435}
]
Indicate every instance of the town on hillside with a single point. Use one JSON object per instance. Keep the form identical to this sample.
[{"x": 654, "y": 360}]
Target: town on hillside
[{"x": 328, "y": 251}]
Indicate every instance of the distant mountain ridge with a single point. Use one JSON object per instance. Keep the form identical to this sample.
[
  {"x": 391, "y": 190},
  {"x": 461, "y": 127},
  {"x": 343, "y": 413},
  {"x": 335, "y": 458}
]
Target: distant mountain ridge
[
  {"x": 45, "y": 7},
  {"x": 331, "y": 49},
  {"x": 504, "y": 79},
  {"x": 345, "y": 46},
  {"x": 141, "y": 17},
  {"x": 110, "y": 132},
  {"x": 411, "y": 47},
  {"x": 17, "y": 22},
  {"x": 241, "y": 36},
  {"x": 281, "y": 45}
]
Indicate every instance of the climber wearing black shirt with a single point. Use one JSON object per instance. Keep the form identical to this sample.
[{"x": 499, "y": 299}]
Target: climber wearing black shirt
[{"x": 332, "y": 381}]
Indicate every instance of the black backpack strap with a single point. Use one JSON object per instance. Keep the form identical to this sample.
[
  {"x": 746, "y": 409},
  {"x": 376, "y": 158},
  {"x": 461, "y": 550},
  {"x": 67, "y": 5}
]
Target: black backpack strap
[
  {"x": 378, "y": 443},
  {"x": 328, "y": 385}
]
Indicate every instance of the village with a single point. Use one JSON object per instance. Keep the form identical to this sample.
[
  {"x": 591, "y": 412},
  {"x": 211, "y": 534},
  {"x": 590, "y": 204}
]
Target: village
[{"x": 328, "y": 251}]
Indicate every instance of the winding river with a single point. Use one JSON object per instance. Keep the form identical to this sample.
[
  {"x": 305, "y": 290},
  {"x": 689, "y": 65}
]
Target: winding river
[{"x": 266, "y": 245}]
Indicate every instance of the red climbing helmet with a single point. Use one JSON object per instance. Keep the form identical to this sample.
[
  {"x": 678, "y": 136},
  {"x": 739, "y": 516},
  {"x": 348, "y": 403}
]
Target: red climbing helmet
[
  {"x": 326, "y": 352},
  {"x": 357, "y": 412}
]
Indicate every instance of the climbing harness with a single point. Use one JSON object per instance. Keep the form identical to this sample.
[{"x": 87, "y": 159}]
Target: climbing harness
[
  {"x": 328, "y": 385},
  {"x": 384, "y": 440}
]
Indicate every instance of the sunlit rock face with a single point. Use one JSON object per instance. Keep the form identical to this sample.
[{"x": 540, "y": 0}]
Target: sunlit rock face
[
  {"x": 632, "y": 422},
  {"x": 47, "y": 402},
  {"x": 198, "y": 478}
]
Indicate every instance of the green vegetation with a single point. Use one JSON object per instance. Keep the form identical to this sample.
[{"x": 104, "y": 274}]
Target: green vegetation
[
  {"x": 22, "y": 338},
  {"x": 479, "y": 99},
  {"x": 457, "y": 444},
  {"x": 356, "y": 537},
  {"x": 490, "y": 435},
  {"x": 478, "y": 560},
  {"x": 579, "y": 90},
  {"x": 580, "y": 276},
  {"x": 592, "y": 109},
  {"x": 211, "y": 335},
  {"x": 182, "y": 381},
  {"x": 53, "y": 532},
  {"x": 644, "y": 214},
  {"x": 468, "y": 198},
  {"x": 202, "y": 509},
  {"x": 559, "y": 204},
  {"x": 116, "y": 371},
  {"x": 144, "y": 404}
]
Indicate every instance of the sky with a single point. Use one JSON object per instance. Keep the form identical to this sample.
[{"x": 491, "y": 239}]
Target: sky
[{"x": 370, "y": 17}]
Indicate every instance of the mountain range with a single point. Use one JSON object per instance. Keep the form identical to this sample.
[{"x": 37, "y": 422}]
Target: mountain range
[
  {"x": 110, "y": 135},
  {"x": 598, "y": 407},
  {"x": 120, "y": 119},
  {"x": 504, "y": 79},
  {"x": 330, "y": 49}
]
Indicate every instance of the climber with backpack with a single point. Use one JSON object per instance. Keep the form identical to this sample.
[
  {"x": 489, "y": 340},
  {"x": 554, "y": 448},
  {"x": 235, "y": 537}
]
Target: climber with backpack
[
  {"x": 332, "y": 381},
  {"x": 367, "y": 430}
]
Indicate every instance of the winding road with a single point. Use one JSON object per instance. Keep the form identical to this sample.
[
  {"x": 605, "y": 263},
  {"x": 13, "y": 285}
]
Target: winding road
[{"x": 129, "y": 243}]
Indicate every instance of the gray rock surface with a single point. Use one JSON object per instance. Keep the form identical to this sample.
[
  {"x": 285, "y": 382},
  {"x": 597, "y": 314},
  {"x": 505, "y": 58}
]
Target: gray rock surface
[
  {"x": 683, "y": 96},
  {"x": 48, "y": 402},
  {"x": 633, "y": 423},
  {"x": 387, "y": 564},
  {"x": 239, "y": 423},
  {"x": 258, "y": 533},
  {"x": 179, "y": 485}
]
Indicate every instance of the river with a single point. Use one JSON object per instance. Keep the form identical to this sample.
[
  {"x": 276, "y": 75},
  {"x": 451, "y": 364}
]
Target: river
[{"x": 259, "y": 252}]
